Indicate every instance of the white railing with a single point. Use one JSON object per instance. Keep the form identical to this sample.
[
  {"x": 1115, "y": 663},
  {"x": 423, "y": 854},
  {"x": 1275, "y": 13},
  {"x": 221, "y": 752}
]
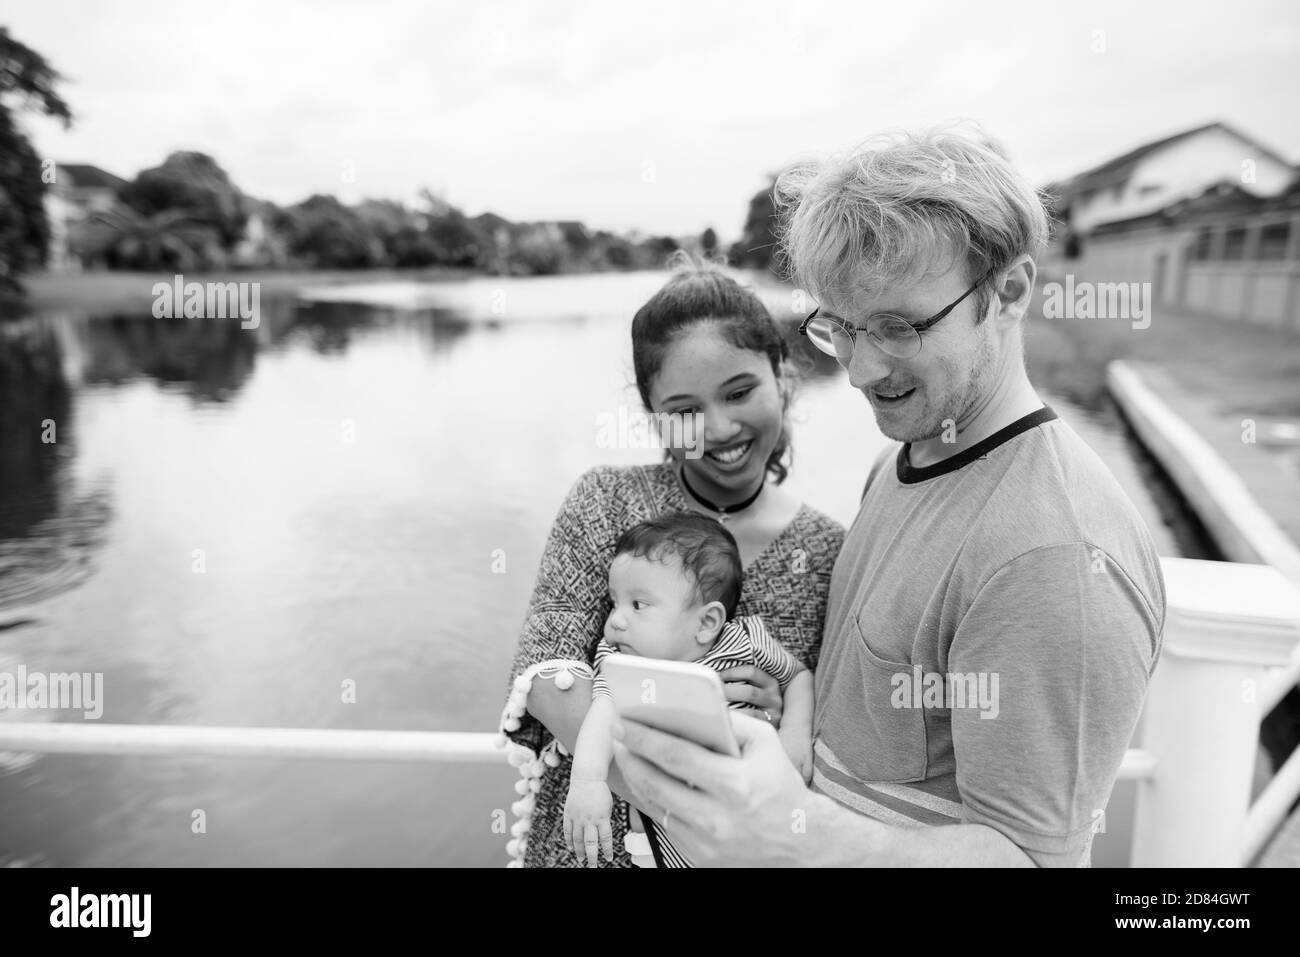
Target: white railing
[
  {"x": 1232, "y": 635},
  {"x": 1231, "y": 651},
  {"x": 216, "y": 742}
]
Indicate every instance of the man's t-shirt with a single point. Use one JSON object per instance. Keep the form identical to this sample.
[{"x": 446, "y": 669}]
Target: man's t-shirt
[{"x": 993, "y": 622}]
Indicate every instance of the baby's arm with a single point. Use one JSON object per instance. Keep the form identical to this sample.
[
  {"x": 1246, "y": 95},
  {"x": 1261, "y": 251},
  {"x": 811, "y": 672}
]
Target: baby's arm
[
  {"x": 589, "y": 804},
  {"x": 796, "y": 721}
]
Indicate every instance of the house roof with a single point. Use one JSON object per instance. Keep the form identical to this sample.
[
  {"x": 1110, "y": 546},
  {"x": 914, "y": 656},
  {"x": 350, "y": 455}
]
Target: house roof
[
  {"x": 85, "y": 176},
  {"x": 1224, "y": 196},
  {"x": 1121, "y": 168}
]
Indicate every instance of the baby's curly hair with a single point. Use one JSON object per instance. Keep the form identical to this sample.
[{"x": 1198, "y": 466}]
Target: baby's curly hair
[{"x": 707, "y": 551}]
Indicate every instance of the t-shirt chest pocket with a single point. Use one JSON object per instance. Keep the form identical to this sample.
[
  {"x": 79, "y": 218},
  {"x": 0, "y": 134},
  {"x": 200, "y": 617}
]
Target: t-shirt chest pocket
[{"x": 891, "y": 744}]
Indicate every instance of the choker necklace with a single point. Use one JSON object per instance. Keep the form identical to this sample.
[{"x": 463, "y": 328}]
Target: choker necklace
[{"x": 722, "y": 510}]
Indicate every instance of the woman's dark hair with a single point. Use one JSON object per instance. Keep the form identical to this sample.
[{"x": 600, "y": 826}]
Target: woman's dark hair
[
  {"x": 700, "y": 291},
  {"x": 707, "y": 551}
]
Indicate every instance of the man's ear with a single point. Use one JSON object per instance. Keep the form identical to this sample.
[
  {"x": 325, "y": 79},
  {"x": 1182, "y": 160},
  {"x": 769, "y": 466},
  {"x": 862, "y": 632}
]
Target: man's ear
[
  {"x": 712, "y": 618},
  {"x": 1015, "y": 291}
]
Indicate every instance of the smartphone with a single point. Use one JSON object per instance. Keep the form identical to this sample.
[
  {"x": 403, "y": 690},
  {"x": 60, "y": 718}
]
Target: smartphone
[{"x": 681, "y": 697}]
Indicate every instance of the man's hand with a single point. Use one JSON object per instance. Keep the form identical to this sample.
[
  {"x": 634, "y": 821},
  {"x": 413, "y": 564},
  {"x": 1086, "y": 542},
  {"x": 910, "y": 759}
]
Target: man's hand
[
  {"x": 745, "y": 811},
  {"x": 586, "y": 821},
  {"x": 755, "y": 811}
]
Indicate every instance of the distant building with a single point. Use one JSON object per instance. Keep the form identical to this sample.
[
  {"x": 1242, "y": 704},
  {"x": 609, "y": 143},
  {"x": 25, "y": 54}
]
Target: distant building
[
  {"x": 78, "y": 191},
  {"x": 1153, "y": 176},
  {"x": 1224, "y": 252},
  {"x": 261, "y": 245},
  {"x": 1210, "y": 218}
]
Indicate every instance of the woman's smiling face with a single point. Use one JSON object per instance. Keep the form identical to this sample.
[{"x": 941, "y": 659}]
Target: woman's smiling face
[{"x": 738, "y": 399}]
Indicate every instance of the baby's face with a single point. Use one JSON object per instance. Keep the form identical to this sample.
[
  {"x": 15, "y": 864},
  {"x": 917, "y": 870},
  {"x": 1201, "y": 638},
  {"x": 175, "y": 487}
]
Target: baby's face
[{"x": 654, "y": 613}]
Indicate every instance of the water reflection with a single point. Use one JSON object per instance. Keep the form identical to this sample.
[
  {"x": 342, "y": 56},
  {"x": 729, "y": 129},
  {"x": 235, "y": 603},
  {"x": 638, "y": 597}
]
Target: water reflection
[
  {"x": 33, "y": 391},
  {"x": 49, "y": 530},
  {"x": 210, "y": 361},
  {"x": 328, "y": 327}
]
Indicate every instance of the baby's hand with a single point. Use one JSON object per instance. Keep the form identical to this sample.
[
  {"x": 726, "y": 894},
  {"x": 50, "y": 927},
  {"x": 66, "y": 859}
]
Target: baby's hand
[
  {"x": 586, "y": 821},
  {"x": 798, "y": 745}
]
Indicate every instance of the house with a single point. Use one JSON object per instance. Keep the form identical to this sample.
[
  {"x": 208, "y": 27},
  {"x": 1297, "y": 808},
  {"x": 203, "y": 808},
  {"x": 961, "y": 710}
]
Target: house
[
  {"x": 1224, "y": 252},
  {"x": 261, "y": 245},
  {"x": 1209, "y": 217},
  {"x": 76, "y": 192},
  {"x": 1153, "y": 176}
]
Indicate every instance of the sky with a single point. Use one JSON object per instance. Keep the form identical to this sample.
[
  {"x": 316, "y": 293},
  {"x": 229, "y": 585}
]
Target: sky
[{"x": 660, "y": 117}]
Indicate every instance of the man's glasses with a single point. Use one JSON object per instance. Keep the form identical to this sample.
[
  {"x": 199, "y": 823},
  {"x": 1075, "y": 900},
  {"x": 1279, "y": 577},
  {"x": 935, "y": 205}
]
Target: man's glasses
[{"x": 892, "y": 335}]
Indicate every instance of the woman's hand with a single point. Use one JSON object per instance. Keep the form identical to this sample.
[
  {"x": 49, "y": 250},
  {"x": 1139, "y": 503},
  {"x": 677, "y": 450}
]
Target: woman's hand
[{"x": 753, "y": 686}]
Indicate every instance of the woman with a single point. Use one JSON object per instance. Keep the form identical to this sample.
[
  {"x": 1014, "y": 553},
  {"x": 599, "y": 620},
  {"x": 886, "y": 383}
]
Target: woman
[{"x": 707, "y": 347}]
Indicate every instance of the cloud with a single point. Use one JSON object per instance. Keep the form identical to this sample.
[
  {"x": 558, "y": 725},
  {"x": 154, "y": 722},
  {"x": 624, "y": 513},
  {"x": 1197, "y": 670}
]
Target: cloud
[{"x": 555, "y": 110}]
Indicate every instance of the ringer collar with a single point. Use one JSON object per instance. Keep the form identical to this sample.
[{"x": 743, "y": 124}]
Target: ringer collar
[{"x": 909, "y": 474}]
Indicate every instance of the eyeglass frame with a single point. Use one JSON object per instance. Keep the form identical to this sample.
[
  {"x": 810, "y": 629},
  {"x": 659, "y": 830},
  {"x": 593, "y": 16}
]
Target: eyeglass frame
[{"x": 917, "y": 327}]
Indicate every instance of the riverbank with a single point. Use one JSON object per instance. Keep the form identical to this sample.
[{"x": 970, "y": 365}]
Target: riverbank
[
  {"x": 100, "y": 293},
  {"x": 1236, "y": 385}
]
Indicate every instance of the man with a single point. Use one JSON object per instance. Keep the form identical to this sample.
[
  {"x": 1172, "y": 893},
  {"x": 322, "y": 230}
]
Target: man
[{"x": 997, "y": 609}]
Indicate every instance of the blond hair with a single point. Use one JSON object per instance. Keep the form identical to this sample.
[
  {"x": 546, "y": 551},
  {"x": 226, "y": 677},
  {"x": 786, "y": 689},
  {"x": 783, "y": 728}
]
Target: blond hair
[{"x": 905, "y": 205}]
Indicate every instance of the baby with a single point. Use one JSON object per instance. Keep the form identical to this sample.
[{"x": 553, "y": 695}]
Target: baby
[{"x": 675, "y": 582}]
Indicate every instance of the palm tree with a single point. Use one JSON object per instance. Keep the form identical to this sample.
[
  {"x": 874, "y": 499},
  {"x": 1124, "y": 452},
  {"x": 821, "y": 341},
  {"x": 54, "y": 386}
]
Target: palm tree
[{"x": 171, "y": 239}]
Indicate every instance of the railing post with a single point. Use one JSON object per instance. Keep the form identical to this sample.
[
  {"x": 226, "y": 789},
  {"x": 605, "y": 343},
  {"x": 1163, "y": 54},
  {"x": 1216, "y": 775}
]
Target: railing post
[{"x": 1227, "y": 625}]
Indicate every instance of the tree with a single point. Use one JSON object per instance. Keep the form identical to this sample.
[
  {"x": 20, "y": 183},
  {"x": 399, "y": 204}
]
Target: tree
[
  {"x": 403, "y": 232},
  {"x": 27, "y": 81},
  {"x": 654, "y": 252},
  {"x": 193, "y": 182},
  {"x": 458, "y": 241},
  {"x": 709, "y": 242},
  {"x": 539, "y": 250},
  {"x": 576, "y": 237},
  {"x": 757, "y": 246},
  {"x": 613, "y": 249},
  {"x": 327, "y": 234}
]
